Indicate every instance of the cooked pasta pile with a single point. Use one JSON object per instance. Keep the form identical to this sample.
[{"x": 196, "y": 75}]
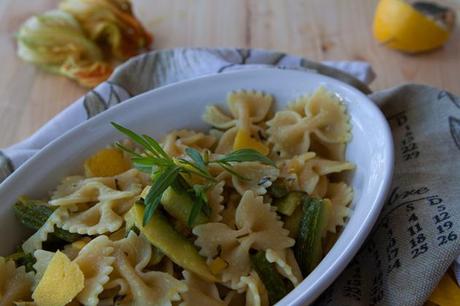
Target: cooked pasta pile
[{"x": 260, "y": 229}]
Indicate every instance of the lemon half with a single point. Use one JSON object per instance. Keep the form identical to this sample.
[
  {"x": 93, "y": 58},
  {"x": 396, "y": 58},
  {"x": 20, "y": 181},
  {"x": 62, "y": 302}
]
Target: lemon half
[{"x": 414, "y": 28}]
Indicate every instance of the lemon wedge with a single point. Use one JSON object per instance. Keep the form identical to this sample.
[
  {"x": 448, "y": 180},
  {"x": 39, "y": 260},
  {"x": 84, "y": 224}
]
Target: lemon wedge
[{"x": 414, "y": 28}]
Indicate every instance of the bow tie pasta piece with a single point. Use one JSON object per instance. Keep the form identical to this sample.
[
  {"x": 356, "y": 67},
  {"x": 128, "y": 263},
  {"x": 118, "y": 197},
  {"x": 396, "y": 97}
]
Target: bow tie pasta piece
[
  {"x": 68, "y": 185},
  {"x": 258, "y": 227},
  {"x": 141, "y": 288},
  {"x": 286, "y": 264},
  {"x": 226, "y": 141},
  {"x": 299, "y": 104},
  {"x": 255, "y": 176},
  {"x": 72, "y": 249},
  {"x": 35, "y": 241},
  {"x": 328, "y": 116},
  {"x": 321, "y": 187},
  {"x": 215, "y": 199},
  {"x": 215, "y": 117},
  {"x": 228, "y": 214},
  {"x": 252, "y": 105},
  {"x": 74, "y": 190},
  {"x": 103, "y": 217},
  {"x": 95, "y": 261},
  {"x": 150, "y": 288},
  {"x": 200, "y": 292},
  {"x": 15, "y": 283},
  {"x": 125, "y": 181},
  {"x": 98, "y": 204},
  {"x": 256, "y": 293},
  {"x": 323, "y": 116},
  {"x": 289, "y": 133},
  {"x": 131, "y": 180},
  {"x": 176, "y": 142},
  {"x": 43, "y": 259},
  {"x": 303, "y": 172},
  {"x": 137, "y": 249},
  {"x": 332, "y": 151},
  {"x": 247, "y": 108},
  {"x": 340, "y": 195},
  {"x": 258, "y": 177}
]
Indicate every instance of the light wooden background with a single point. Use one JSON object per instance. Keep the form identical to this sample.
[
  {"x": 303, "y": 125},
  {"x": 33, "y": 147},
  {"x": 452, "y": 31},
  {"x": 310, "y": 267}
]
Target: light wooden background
[{"x": 316, "y": 29}]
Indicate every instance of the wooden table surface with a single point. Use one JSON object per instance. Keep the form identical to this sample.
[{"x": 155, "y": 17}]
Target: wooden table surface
[{"x": 315, "y": 29}]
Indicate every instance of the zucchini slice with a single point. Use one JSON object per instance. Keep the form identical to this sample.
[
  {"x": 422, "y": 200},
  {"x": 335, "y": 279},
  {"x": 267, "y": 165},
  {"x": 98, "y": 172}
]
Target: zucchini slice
[
  {"x": 162, "y": 235},
  {"x": 272, "y": 280},
  {"x": 34, "y": 213},
  {"x": 308, "y": 247},
  {"x": 292, "y": 222},
  {"x": 278, "y": 189},
  {"x": 287, "y": 204},
  {"x": 23, "y": 259},
  {"x": 179, "y": 205}
]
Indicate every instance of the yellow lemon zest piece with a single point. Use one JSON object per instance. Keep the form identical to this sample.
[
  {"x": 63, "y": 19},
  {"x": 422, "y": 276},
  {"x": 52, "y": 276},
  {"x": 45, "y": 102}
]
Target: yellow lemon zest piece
[{"x": 61, "y": 282}]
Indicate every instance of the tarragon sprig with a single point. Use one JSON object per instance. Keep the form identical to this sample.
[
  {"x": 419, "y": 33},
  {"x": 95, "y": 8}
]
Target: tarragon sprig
[{"x": 168, "y": 171}]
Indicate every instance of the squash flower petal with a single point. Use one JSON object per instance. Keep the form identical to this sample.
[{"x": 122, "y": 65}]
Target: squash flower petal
[{"x": 112, "y": 24}]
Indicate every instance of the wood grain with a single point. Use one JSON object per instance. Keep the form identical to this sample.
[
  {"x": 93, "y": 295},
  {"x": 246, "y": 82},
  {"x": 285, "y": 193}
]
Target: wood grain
[{"x": 315, "y": 29}]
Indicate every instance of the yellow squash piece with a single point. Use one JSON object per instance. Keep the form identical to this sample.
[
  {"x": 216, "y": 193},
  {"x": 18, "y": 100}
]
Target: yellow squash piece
[
  {"x": 243, "y": 140},
  {"x": 80, "y": 244},
  {"x": 61, "y": 282},
  {"x": 400, "y": 26},
  {"x": 106, "y": 162},
  {"x": 162, "y": 235},
  {"x": 217, "y": 265}
]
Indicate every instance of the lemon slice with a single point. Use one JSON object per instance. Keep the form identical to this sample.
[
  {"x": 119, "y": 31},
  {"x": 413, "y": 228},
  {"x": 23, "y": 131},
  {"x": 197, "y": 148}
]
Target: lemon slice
[{"x": 412, "y": 28}]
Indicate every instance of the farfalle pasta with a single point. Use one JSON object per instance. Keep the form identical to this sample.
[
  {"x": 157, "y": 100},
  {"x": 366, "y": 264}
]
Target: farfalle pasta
[
  {"x": 200, "y": 292},
  {"x": 219, "y": 217},
  {"x": 323, "y": 115},
  {"x": 15, "y": 283},
  {"x": 96, "y": 262},
  {"x": 248, "y": 109},
  {"x": 258, "y": 227},
  {"x": 176, "y": 142}
]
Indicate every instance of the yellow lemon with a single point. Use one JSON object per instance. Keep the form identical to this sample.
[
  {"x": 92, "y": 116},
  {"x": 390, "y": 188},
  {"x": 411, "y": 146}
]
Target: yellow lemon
[{"x": 412, "y": 28}]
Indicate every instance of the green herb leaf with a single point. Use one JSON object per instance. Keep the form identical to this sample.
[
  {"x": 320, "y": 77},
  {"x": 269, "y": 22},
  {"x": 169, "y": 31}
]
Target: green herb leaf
[
  {"x": 150, "y": 209},
  {"x": 151, "y": 161},
  {"x": 200, "y": 203},
  {"x": 197, "y": 158},
  {"x": 245, "y": 155},
  {"x": 127, "y": 150},
  {"x": 156, "y": 147},
  {"x": 132, "y": 135},
  {"x": 196, "y": 170},
  {"x": 147, "y": 164},
  {"x": 162, "y": 181},
  {"x": 228, "y": 168}
]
